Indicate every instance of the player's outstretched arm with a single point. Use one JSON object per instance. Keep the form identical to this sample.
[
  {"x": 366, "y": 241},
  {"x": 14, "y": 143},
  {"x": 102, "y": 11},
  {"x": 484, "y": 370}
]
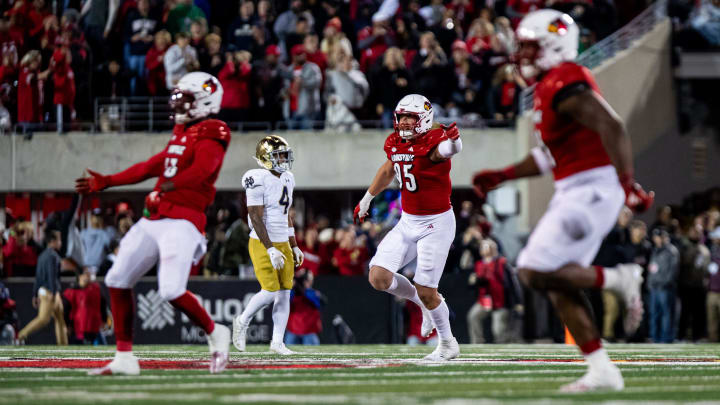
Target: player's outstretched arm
[
  {"x": 256, "y": 217},
  {"x": 136, "y": 173},
  {"x": 534, "y": 164},
  {"x": 450, "y": 146},
  {"x": 382, "y": 179},
  {"x": 592, "y": 111}
]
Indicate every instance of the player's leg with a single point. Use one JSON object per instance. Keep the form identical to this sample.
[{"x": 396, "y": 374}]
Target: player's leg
[
  {"x": 269, "y": 285},
  {"x": 433, "y": 247},
  {"x": 575, "y": 311},
  {"x": 395, "y": 251},
  {"x": 180, "y": 244},
  {"x": 281, "y": 304},
  {"x": 137, "y": 253}
]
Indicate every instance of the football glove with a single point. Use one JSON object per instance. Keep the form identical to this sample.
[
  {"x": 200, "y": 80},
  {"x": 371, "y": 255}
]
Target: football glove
[
  {"x": 637, "y": 199},
  {"x": 92, "y": 184},
  {"x": 361, "y": 210},
  {"x": 277, "y": 258},
  {"x": 451, "y": 131},
  {"x": 488, "y": 180},
  {"x": 152, "y": 202},
  {"x": 298, "y": 256}
]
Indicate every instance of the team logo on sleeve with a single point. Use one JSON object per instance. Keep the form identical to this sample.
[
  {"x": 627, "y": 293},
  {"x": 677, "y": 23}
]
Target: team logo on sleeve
[{"x": 249, "y": 181}]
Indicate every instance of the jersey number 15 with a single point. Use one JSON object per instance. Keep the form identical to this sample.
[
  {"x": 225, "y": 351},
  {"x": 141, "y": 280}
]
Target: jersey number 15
[{"x": 404, "y": 177}]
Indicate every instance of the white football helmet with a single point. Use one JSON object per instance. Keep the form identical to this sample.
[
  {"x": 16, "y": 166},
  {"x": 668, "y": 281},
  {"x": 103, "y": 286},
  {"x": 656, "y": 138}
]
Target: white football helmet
[
  {"x": 418, "y": 106},
  {"x": 196, "y": 95},
  {"x": 556, "y": 34}
]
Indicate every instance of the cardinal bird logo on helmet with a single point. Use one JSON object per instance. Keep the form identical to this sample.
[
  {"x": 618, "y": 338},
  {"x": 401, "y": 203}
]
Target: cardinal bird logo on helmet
[
  {"x": 558, "y": 26},
  {"x": 210, "y": 86}
]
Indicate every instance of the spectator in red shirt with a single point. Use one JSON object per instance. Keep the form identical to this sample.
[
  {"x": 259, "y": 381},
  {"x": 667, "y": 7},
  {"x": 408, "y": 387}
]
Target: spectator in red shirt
[
  {"x": 497, "y": 291},
  {"x": 235, "y": 79},
  {"x": 517, "y": 9},
  {"x": 154, "y": 62},
  {"x": 311, "y": 249},
  {"x": 20, "y": 253},
  {"x": 64, "y": 81},
  {"x": 506, "y": 87},
  {"x": 29, "y": 102},
  {"x": 88, "y": 309},
  {"x": 373, "y": 42},
  {"x": 305, "y": 321},
  {"x": 314, "y": 54},
  {"x": 351, "y": 255}
]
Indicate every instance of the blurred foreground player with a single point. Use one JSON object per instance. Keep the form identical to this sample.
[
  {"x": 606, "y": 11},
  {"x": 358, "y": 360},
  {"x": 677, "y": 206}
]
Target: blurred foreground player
[
  {"x": 583, "y": 142},
  {"x": 173, "y": 235},
  {"x": 273, "y": 249},
  {"x": 419, "y": 157}
]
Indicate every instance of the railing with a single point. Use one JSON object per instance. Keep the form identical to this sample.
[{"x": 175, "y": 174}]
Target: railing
[{"x": 618, "y": 41}]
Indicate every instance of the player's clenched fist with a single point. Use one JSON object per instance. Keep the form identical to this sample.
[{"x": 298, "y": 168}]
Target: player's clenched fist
[
  {"x": 277, "y": 258},
  {"x": 361, "y": 210},
  {"x": 152, "y": 201},
  {"x": 637, "y": 199},
  {"x": 92, "y": 184}
]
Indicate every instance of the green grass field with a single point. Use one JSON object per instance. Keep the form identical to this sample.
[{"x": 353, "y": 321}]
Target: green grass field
[{"x": 360, "y": 374}]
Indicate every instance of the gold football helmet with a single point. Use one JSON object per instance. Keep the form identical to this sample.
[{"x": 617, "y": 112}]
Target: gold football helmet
[{"x": 273, "y": 153}]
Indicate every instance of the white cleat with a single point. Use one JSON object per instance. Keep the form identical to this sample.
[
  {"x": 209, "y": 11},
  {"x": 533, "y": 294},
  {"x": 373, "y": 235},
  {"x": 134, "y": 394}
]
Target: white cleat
[
  {"x": 219, "y": 342},
  {"x": 445, "y": 350},
  {"x": 629, "y": 292},
  {"x": 609, "y": 379},
  {"x": 124, "y": 363},
  {"x": 427, "y": 322},
  {"x": 239, "y": 333},
  {"x": 280, "y": 348}
]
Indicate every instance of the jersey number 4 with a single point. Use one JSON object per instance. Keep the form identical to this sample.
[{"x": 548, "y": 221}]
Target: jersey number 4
[
  {"x": 285, "y": 199},
  {"x": 404, "y": 177}
]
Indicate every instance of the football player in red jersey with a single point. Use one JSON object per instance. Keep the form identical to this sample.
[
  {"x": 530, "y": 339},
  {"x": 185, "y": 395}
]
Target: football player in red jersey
[
  {"x": 173, "y": 235},
  {"x": 583, "y": 142},
  {"x": 419, "y": 157}
]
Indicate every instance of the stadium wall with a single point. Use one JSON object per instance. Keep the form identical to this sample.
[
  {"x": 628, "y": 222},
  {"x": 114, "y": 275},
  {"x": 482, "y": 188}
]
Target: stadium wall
[{"x": 322, "y": 160}]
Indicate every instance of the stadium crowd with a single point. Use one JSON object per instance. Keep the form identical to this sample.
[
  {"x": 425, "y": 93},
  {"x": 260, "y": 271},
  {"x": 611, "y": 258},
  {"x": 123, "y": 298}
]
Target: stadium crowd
[
  {"x": 679, "y": 253},
  {"x": 295, "y": 62}
]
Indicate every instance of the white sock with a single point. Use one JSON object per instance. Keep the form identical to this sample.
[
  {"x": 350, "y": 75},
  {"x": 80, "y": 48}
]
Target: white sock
[
  {"x": 611, "y": 278},
  {"x": 441, "y": 319},
  {"x": 598, "y": 360},
  {"x": 403, "y": 288},
  {"x": 123, "y": 355},
  {"x": 280, "y": 314},
  {"x": 257, "y": 302}
]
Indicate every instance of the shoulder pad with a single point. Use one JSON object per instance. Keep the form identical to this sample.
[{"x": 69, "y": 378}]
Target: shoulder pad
[
  {"x": 429, "y": 141},
  {"x": 253, "y": 178},
  {"x": 214, "y": 129},
  {"x": 390, "y": 141}
]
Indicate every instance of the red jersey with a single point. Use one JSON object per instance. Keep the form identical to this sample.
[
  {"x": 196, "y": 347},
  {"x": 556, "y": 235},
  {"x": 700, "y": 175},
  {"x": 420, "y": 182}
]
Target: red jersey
[
  {"x": 29, "y": 107},
  {"x": 425, "y": 185},
  {"x": 574, "y": 148},
  {"x": 191, "y": 161}
]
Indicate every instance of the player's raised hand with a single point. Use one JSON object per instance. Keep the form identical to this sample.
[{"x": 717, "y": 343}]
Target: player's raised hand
[
  {"x": 152, "y": 201},
  {"x": 451, "y": 131},
  {"x": 92, "y": 184},
  {"x": 298, "y": 256},
  {"x": 637, "y": 199},
  {"x": 277, "y": 258}
]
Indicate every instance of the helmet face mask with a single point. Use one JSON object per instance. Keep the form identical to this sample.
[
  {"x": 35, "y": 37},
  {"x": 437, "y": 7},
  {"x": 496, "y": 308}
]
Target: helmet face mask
[
  {"x": 274, "y": 153},
  {"x": 181, "y": 103}
]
